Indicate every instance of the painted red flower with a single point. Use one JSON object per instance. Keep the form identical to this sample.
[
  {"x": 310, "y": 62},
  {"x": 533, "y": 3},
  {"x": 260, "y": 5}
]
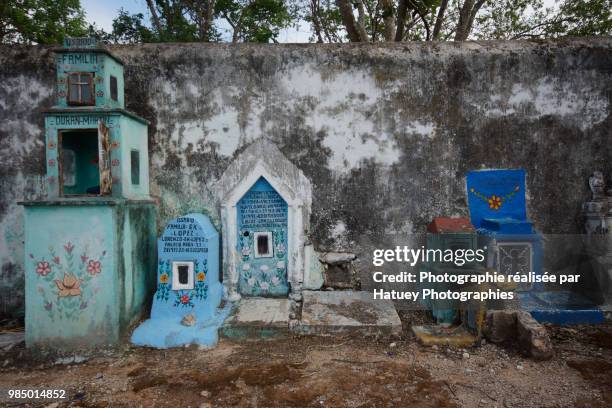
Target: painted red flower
[
  {"x": 69, "y": 247},
  {"x": 43, "y": 268},
  {"x": 51, "y": 163},
  {"x": 84, "y": 258},
  {"x": 115, "y": 162},
  {"x": 115, "y": 144},
  {"x": 494, "y": 202},
  {"x": 56, "y": 260},
  {"x": 94, "y": 267},
  {"x": 185, "y": 299}
]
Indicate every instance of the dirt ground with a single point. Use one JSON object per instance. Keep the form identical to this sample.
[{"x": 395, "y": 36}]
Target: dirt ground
[{"x": 330, "y": 372}]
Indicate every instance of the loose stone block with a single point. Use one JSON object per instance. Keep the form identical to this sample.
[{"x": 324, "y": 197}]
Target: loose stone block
[
  {"x": 533, "y": 337},
  {"x": 500, "y": 326}
]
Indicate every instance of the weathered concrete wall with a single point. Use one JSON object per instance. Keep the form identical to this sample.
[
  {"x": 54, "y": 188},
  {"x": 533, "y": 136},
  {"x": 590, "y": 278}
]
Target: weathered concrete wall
[{"x": 385, "y": 133}]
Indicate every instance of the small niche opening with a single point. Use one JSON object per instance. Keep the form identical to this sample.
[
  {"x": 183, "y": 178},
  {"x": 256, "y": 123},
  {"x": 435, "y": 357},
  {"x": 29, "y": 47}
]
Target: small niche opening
[
  {"x": 182, "y": 275},
  {"x": 79, "y": 167},
  {"x": 263, "y": 245}
]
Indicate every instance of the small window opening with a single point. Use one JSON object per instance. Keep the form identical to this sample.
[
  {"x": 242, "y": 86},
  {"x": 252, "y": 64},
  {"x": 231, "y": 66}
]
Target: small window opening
[
  {"x": 79, "y": 168},
  {"x": 263, "y": 245},
  {"x": 81, "y": 88},
  {"x": 113, "y": 88},
  {"x": 182, "y": 275},
  {"x": 135, "y": 166}
]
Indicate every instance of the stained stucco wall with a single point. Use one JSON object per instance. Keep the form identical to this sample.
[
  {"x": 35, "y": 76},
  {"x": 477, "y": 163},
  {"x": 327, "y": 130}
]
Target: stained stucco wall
[{"x": 385, "y": 133}]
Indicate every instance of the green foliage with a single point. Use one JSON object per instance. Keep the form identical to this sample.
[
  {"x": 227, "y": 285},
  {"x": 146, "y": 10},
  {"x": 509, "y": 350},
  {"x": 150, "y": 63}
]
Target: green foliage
[
  {"x": 256, "y": 20},
  {"x": 40, "y": 21},
  {"x": 200, "y": 20},
  {"x": 581, "y": 18},
  {"x": 49, "y": 21},
  {"x": 530, "y": 19}
]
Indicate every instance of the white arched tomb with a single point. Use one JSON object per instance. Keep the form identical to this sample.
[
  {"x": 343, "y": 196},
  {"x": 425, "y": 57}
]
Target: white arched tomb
[{"x": 263, "y": 159}]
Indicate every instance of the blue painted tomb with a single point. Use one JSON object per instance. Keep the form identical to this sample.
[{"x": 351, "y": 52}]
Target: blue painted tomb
[
  {"x": 185, "y": 305},
  {"x": 498, "y": 210}
]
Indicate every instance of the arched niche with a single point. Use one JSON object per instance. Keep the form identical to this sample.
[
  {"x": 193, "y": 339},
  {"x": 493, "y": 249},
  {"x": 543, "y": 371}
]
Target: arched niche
[{"x": 263, "y": 160}]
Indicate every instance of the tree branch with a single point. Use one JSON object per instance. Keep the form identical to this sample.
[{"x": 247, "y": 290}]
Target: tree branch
[{"x": 439, "y": 20}]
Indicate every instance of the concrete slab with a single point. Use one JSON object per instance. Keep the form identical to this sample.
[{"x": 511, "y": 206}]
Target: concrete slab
[
  {"x": 334, "y": 312},
  {"x": 256, "y": 318}
]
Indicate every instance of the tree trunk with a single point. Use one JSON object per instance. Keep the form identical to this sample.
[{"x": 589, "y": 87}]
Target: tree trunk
[
  {"x": 439, "y": 20},
  {"x": 402, "y": 11},
  {"x": 210, "y": 12},
  {"x": 155, "y": 17},
  {"x": 348, "y": 19},
  {"x": 316, "y": 21},
  {"x": 388, "y": 15},
  {"x": 361, "y": 21},
  {"x": 466, "y": 18}
]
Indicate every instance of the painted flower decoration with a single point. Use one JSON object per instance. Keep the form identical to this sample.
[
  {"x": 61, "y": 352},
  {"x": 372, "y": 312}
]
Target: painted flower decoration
[
  {"x": 51, "y": 163},
  {"x": 115, "y": 162},
  {"x": 494, "y": 202},
  {"x": 69, "y": 247},
  {"x": 264, "y": 268},
  {"x": 264, "y": 285},
  {"x": 163, "y": 278},
  {"x": 246, "y": 266},
  {"x": 275, "y": 280},
  {"x": 69, "y": 286},
  {"x": 280, "y": 264},
  {"x": 251, "y": 281},
  {"x": 83, "y": 305},
  {"x": 201, "y": 276},
  {"x": 43, "y": 268},
  {"x": 280, "y": 247},
  {"x": 48, "y": 306},
  {"x": 114, "y": 144},
  {"x": 84, "y": 258},
  {"x": 94, "y": 267},
  {"x": 56, "y": 260},
  {"x": 246, "y": 251},
  {"x": 185, "y": 299}
]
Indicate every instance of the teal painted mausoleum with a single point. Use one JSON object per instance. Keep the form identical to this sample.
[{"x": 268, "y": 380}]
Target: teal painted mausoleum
[{"x": 90, "y": 244}]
